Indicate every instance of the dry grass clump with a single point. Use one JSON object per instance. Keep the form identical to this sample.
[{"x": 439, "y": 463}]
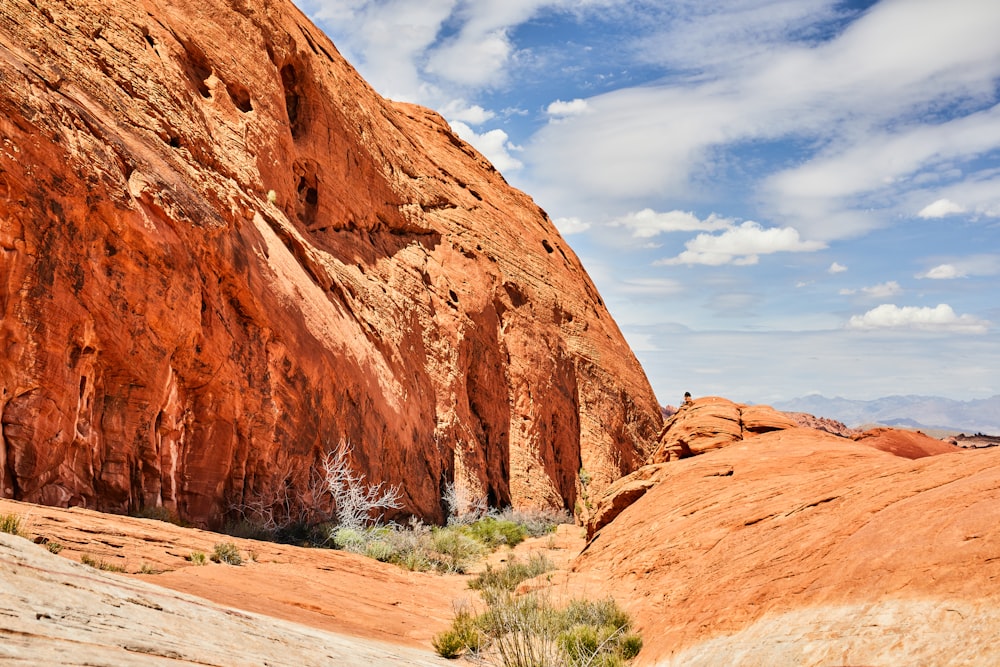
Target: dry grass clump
[
  {"x": 227, "y": 552},
  {"x": 530, "y": 631},
  {"x": 12, "y": 524}
]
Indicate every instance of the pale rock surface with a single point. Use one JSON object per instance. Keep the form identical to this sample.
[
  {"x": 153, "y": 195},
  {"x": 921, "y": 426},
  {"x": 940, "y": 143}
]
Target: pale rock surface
[
  {"x": 56, "y": 612},
  {"x": 222, "y": 252}
]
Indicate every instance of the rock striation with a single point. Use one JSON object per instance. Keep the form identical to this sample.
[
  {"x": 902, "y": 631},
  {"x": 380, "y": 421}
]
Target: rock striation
[{"x": 222, "y": 253}]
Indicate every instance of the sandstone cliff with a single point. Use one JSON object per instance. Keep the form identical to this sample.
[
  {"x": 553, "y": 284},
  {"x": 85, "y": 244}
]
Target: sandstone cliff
[{"x": 222, "y": 252}]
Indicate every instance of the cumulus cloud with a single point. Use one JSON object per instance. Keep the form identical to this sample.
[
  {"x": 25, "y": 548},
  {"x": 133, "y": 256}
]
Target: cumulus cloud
[
  {"x": 868, "y": 111},
  {"x": 567, "y": 226},
  {"x": 494, "y": 144},
  {"x": 964, "y": 267},
  {"x": 942, "y": 272},
  {"x": 880, "y": 291},
  {"x": 461, "y": 111},
  {"x": 940, "y": 209},
  {"x": 939, "y": 318},
  {"x": 836, "y": 267},
  {"x": 647, "y": 223},
  {"x": 573, "y": 108},
  {"x": 741, "y": 245}
]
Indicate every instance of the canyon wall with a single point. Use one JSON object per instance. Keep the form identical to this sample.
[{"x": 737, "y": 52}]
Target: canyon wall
[{"x": 221, "y": 253}]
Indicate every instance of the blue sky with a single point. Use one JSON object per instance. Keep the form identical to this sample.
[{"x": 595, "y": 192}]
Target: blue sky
[{"x": 775, "y": 197}]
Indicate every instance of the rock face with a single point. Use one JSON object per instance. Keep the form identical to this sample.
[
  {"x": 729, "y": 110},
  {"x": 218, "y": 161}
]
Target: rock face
[
  {"x": 798, "y": 547},
  {"x": 222, "y": 253}
]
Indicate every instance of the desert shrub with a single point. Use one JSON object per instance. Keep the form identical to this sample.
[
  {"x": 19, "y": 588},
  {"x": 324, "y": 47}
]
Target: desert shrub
[
  {"x": 417, "y": 547},
  {"x": 87, "y": 559},
  {"x": 536, "y": 522},
  {"x": 523, "y": 631},
  {"x": 494, "y": 532},
  {"x": 512, "y": 573},
  {"x": 197, "y": 558},
  {"x": 355, "y": 501},
  {"x": 11, "y": 523},
  {"x": 464, "y": 635},
  {"x": 53, "y": 547},
  {"x": 227, "y": 552}
]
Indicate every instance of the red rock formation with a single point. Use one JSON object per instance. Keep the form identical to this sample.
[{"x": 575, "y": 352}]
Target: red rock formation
[
  {"x": 798, "y": 547},
  {"x": 712, "y": 422},
  {"x": 908, "y": 444},
  {"x": 222, "y": 252}
]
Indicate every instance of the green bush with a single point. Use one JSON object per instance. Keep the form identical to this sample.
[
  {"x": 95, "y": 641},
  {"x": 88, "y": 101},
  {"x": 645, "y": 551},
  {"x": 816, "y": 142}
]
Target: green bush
[
  {"x": 494, "y": 532},
  {"x": 523, "y": 631},
  {"x": 508, "y": 577},
  {"x": 227, "y": 552},
  {"x": 11, "y": 523},
  {"x": 197, "y": 558},
  {"x": 54, "y": 547},
  {"x": 464, "y": 635}
]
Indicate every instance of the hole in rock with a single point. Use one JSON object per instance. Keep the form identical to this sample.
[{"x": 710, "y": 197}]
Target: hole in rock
[
  {"x": 293, "y": 98},
  {"x": 240, "y": 97},
  {"x": 548, "y": 247}
]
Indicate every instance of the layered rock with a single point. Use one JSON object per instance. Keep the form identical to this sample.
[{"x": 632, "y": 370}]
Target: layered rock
[
  {"x": 800, "y": 547},
  {"x": 222, "y": 253}
]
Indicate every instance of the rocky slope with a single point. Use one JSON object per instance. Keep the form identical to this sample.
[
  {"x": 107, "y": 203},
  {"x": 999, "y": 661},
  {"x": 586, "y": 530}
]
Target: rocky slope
[
  {"x": 222, "y": 253},
  {"x": 65, "y": 613},
  {"x": 796, "y": 546}
]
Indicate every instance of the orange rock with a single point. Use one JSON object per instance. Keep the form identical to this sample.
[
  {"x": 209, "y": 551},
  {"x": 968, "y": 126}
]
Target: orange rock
[
  {"x": 712, "y": 422},
  {"x": 801, "y": 547},
  {"x": 223, "y": 252},
  {"x": 908, "y": 444}
]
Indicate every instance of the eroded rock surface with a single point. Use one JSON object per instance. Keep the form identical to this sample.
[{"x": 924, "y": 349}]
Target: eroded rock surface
[
  {"x": 222, "y": 252},
  {"x": 57, "y": 612},
  {"x": 798, "y": 547}
]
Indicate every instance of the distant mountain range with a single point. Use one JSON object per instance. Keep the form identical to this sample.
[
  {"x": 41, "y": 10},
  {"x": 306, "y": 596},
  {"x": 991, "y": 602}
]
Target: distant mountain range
[{"x": 921, "y": 412}]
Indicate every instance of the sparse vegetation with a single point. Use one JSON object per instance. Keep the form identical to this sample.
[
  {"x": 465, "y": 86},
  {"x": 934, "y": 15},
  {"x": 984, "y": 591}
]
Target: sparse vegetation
[
  {"x": 508, "y": 577},
  {"x": 528, "y": 630},
  {"x": 87, "y": 559},
  {"x": 12, "y": 524},
  {"x": 54, "y": 547},
  {"x": 228, "y": 553},
  {"x": 197, "y": 558}
]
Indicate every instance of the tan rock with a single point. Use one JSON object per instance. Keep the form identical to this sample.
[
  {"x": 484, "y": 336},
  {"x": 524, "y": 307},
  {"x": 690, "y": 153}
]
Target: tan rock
[{"x": 223, "y": 252}]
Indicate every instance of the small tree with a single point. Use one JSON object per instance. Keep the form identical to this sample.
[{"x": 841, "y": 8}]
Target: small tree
[{"x": 354, "y": 501}]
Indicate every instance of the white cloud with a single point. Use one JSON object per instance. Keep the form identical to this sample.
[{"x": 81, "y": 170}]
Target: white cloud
[
  {"x": 573, "y": 108},
  {"x": 461, "y": 111},
  {"x": 880, "y": 291},
  {"x": 940, "y": 209},
  {"x": 567, "y": 226},
  {"x": 652, "y": 286},
  {"x": 741, "y": 245},
  {"x": 836, "y": 267},
  {"x": 943, "y": 272},
  {"x": 647, "y": 223},
  {"x": 865, "y": 113},
  {"x": 494, "y": 144},
  {"x": 940, "y": 318},
  {"x": 963, "y": 267}
]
